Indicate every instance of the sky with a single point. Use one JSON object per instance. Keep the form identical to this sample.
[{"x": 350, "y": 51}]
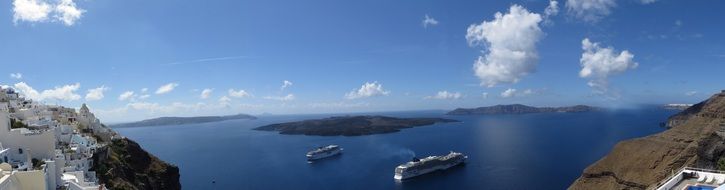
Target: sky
[{"x": 137, "y": 59}]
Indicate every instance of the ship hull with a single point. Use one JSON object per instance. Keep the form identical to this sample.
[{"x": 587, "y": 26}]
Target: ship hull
[
  {"x": 409, "y": 175},
  {"x": 324, "y": 155}
]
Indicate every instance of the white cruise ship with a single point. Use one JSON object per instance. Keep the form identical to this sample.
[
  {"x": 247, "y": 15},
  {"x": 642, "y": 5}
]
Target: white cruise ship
[
  {"x": 427, "y": 165},
  {"x": 323, "y": 152}
]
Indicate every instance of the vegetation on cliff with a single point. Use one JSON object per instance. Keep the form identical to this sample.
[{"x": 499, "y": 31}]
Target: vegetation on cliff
[
  {"x": 350, "y": 125},
  {"x": 125, "y": 165}
]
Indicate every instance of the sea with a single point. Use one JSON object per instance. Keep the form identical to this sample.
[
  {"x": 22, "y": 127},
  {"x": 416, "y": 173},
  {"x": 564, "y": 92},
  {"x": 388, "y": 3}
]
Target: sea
[{"x": 528, "y": 151}]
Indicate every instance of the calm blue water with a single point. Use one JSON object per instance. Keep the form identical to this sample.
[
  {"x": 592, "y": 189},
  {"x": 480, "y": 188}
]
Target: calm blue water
[{"x": 533, "y": 151}]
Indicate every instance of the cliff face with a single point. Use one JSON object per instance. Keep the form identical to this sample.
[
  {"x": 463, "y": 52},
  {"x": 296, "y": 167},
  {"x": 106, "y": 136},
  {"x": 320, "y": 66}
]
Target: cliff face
[
  {"x": 125, "y": 165},
  {"x": 644, "y": 162}
]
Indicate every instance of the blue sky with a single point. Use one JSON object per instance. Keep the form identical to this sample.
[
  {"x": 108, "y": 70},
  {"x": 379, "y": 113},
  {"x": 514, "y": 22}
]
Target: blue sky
[{"x": 328, "y": 51}]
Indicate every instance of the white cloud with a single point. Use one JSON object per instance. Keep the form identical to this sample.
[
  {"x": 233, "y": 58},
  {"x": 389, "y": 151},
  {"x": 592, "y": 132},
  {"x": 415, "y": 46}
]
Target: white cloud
[
  {"x": 128, "y": 95},
  {"x": 445, "y": 95},
  {"x": 65, "y": 93},
  {"x": 225, "y": 101},
  {"x": 143, "y": 97},
  {"x": 144, "y": 90},
  {"x": 288, "y": 97},
  {"x": 690, "y": 93},
  {"x": 647, "y": 1},
  {"x": 508, "y": 93},
  {"x": 429, "y": 21},
  {"x": 96, "y": 93},
  {"x": 206, "y": 93},
  {"x": 30, "y": 10},
  {"x": 16, "y": 75},
  {"x": 285, "y": 84},
  {"x": 68, "y": 12},
  {"x": 336, "y": 105},
  {"x": 510, "y": 40},
  {"x": 484, "y": 95},
  {"x": 64, "y": 11},
  {"x": 238, "y": 93},
  {"x": 590, "y": 10},
  {"x": 367, "y": 90},
  {"x": 551, "y": 11},
  {"x": 511, "y": 92},
  {"x": 599, "y": 63},
  {"x": 166, "y": 88}
]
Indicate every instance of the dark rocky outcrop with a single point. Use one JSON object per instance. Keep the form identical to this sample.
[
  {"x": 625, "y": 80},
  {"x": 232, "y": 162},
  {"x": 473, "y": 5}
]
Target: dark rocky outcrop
[
  {"x": 645, "y": 162},
  {"x": 350, "y": 125},
  {"x": 181, "y": 120},
  {"x": 125, "y": 165},
  {"x": 520, "y": 109}
]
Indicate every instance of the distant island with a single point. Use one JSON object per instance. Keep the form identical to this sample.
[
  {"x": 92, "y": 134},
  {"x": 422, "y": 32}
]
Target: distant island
[
  {"x": 520, "y": 109},
  {"x": 181, "y": 120},
  {"x": 350, "y": 125}
]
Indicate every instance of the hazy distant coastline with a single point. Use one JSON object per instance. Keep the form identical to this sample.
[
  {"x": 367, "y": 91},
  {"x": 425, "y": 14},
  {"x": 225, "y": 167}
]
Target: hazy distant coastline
[
  {"x": 181, "y": 120},
  {"x": 520, "y": 109}
]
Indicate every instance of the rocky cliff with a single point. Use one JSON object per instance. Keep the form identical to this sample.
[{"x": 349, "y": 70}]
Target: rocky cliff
[
  {"x": 125, "y": 165},
  {"x": 643, "y": 163}
]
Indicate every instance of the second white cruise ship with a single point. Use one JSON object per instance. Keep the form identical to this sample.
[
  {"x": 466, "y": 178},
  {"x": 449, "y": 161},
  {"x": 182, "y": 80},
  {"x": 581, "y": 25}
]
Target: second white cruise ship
[
  {"x": 323, "y": 152},
  {"x": 427, "y": 165}
]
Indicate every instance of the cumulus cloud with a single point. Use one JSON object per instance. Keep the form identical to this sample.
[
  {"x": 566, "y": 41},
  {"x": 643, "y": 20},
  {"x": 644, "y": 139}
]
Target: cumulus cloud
[
  {"x": 550, "y": 11},
  {"x": 599, "y": 63},
  {"x": 128, "y": 95},
  {"x": 206, "y": 93},
  {"x": 166, "y": 88},
  {"x": 590, "y": 10},
  {"x": 690, "y": 93},
  {"x": 445, "y": 95},
  {"x": 511, "y": 92},
  {"x": 238, "y": 93},
  {"x": 429, "y": 21},
  {"x": 96, "y": 93},
  {"x": 508, "y": 93},
  {"x": 367, "y": 90},
  {"x": 64, "y": 11},
  {"x": 285, "y": 84},
  {"x": 510, "y": 41},
  {"x": 65, "y": 93},
  {"x": 335, "y": 105},
  {"x": 288, "y": 97},
  {"x": 67, "y": 12},
  {"x": 144, "y": 90},
  {"x": 16, "y": 75},
  {"x": 225, "y": 101}
]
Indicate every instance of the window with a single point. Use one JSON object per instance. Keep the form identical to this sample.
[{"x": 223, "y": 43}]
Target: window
[{"x": 20, "y": 151}]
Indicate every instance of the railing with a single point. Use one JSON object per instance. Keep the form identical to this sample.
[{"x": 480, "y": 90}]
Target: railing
[{"x": 671, "y": 176}]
